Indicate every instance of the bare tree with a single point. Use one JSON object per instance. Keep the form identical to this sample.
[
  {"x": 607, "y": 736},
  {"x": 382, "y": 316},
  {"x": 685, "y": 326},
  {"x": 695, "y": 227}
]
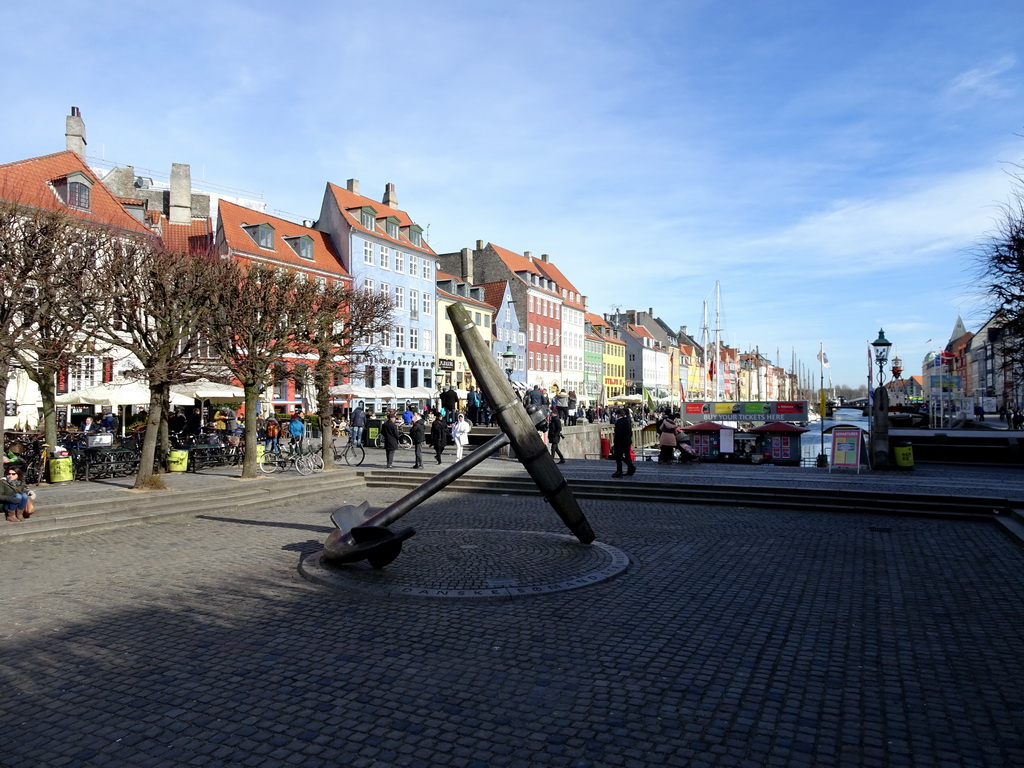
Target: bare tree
[
  {"x": 64, "y": 285},
  {"x": 344, "y": 325},
  {"x": 254, "y": 331},
  {"x": 1000, "y": 266},
  {"x": 158, "y": 310},
  {"x": 21, "y": 230}
]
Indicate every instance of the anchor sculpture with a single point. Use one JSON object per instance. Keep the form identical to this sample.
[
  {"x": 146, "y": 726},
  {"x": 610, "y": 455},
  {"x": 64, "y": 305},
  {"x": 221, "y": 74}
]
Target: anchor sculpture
[{"x": 362, "y": 535}]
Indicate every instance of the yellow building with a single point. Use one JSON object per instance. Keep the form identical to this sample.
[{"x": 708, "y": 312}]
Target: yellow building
[{"x": 452, "y": 367}]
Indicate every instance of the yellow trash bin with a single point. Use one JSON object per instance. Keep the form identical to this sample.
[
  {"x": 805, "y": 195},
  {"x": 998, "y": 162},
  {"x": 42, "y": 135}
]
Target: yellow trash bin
[
  {"x": 61, "y": 470},
  {"x": 903, "y": 454},
  {"x": 260, "y": 450},
  {"x": 177, "y": 461}
]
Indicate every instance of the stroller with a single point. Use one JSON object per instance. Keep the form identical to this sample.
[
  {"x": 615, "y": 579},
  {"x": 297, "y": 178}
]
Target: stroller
[{"x": 687, "y": 454}]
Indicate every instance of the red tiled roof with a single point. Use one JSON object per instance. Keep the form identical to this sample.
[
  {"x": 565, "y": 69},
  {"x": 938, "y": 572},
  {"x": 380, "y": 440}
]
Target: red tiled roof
[
  {"x": 30, "y": 182},
  {"x": 552, "y": 272},
  {"x": 194, "y": 238},
  {"x": 494, "y": 293},
  {"x": 325, "y": 259},
  {"x": 347, "y": 201},
  {"x": 514, "y": 261}
]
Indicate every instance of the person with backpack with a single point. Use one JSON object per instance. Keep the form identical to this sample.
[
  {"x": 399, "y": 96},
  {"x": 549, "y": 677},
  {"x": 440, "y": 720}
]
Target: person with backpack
[{"x": 273, "y": 429}]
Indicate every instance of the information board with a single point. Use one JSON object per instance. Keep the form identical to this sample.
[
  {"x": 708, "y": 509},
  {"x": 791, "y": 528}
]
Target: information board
[{"x": 846, "y": 444}]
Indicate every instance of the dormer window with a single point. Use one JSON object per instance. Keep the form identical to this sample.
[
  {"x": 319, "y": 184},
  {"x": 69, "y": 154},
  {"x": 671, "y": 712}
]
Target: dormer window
[
  {"x": 303, "y": 246},
  {"x": 368, "y": 218},
  {"x": 391, "y": 227},
  {"x": 416, "y": 235},
  {"x": 75, "y": 190},
  {"x": 262, "y": 235}
]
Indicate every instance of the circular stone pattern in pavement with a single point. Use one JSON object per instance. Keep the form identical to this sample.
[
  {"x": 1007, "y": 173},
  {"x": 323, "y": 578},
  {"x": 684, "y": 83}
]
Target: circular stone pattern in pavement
[{"x": 474, "y": 564}]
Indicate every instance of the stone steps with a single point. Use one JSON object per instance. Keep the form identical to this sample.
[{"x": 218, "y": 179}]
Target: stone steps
[
  {"x": 772, "y": 497},
  {"x": 124, "y": 507}
]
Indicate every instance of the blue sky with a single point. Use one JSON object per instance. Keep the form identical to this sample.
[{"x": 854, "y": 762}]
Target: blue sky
[{"x": 829, "y": 164}]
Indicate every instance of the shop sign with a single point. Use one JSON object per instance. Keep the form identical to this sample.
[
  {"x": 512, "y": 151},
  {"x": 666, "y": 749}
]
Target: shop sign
[
  {"x": 763, "y": 411},
  {"x": 445, "y": 364}
]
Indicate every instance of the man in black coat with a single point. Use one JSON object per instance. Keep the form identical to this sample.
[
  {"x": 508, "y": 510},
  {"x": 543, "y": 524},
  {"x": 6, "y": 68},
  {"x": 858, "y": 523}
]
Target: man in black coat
[
  {"x": 555, "y": 436},
  {"x": 622, "y": 441},
  {"x": 450, "y": 403},
  {"x": 438, "y": 436},
  {"x": 391, "y": 435},
  {"x": 416, "y": 432}
]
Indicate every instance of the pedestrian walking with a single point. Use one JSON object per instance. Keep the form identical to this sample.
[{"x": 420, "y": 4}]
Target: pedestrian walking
[
  {"x": 438, "y": 436},
  {"x": 622, "y": 443},
  {"x": 460, "y": 435},
  {"x": 391, "y": 435},
  {"x": 416, "y": 432},
  {"x": 555, "y": 437}
]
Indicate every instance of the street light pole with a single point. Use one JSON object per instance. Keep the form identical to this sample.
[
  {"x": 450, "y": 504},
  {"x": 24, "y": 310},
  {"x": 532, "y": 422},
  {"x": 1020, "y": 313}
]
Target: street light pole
[{"x": 880, "y": 409}]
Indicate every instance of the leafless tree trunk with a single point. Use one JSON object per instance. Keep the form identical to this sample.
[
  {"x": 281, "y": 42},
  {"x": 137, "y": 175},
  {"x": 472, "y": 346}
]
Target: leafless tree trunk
[
  {"x": 344, "y": 326},
  {"x": 255, "y": 330},
  {"x": 158, "y": 310}
]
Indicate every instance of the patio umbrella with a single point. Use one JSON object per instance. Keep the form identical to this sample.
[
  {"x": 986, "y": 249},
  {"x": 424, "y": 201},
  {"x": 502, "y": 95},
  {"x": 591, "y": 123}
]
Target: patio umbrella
[
  {"x": 115, "y": 393},
  {"x": 209, "y": 390}
]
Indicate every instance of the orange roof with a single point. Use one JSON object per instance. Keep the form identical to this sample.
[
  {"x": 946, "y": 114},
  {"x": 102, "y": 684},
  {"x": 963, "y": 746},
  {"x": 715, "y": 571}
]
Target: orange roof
[
  {"x": 639, "y": 331},
  {"x": 194, "y": 238},
  {"x": 233, "y": 217},
  {"x": 30, "y": 182},
  {"x": 514, "y": 261},
  {"x": 596, "y": 320},
  {"x": 347, "y": 201},
  {"x": 552, "y": 272},
  {"x": 494, "y": 293}
]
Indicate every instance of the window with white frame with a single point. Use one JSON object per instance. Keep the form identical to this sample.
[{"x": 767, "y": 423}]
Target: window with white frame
[
  {"x": 399, "y": 261},
  {"x": 428, "y": 303},
  {"x": 391, "y": 226},
  {"x": 414, "y": 338},
  {"x": 427, "y": 269},
  {"x": 399, "y": 297},
  {"x": 82, "y": 375},
  {"x": 367, "y": 284},
  {"x": 428, "y": 343},
  {"x": 368, "y": 219},
  {"x": 414, "y": 303},
  {"x": 385, "y": 289},
  {"x": 414, "y": 265},
  {"x": 385, "y": 257},
  {"x": 367, "y": 252},
  {"x": 399, "y": 337}
]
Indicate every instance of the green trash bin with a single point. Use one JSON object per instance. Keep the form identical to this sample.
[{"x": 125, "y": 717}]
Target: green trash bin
[
  {"x": 177, "y": 461},
  {"x": 61, "y": 470},
  {"x": 903, "y": 455}
]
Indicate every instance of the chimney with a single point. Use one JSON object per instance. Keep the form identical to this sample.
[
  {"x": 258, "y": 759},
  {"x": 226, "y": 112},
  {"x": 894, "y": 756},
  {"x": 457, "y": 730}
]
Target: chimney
[
  {"x": 528, "y": 255},
  {"x": 353, "y": 186},
  {"x": 585, "y": 301},
  {"x": 390, "y": 198},
  {"x": 650, "y": 311},
  {"x": 544, "y": 257},
  {"x": 74, "y": 132},
  {"x": 479, "y": 245},
  {"x": 181, "y": 194},
  {"x": 467, "y": 265}
]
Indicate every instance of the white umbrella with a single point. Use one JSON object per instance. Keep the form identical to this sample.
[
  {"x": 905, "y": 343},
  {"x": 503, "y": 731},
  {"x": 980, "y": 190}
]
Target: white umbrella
[
  {"x": 115, "y": 393},
  {"x": 210, "y": 390},
  {"x": 352, "y": 390}
]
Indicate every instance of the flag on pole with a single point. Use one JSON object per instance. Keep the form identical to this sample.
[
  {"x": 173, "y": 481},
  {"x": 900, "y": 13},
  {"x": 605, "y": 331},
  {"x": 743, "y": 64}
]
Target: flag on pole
[{"x": 823, "y": 358}]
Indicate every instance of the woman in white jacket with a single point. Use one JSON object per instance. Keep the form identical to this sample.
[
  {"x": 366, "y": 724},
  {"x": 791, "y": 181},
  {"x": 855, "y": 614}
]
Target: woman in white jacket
[{"x": 460, "y": 435}]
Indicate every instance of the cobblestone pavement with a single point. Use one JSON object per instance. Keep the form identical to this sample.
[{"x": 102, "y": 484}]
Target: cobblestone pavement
[{"x": 736, "y": 637}]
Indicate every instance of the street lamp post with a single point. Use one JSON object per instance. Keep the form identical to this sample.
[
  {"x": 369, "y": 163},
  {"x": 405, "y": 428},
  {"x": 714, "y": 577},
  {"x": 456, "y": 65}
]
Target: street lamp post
[
  {"x": 880, "y": 407},
  {"x": 509, "y": 357}
]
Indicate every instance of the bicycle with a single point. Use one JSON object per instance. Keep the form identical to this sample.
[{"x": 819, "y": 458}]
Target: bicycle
[
  {"x": 404, "y": 440},
  {"x": 306, "y": 461},
  {"x": 272, "y": 461},
  {"x": 352, "y": 453}
]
